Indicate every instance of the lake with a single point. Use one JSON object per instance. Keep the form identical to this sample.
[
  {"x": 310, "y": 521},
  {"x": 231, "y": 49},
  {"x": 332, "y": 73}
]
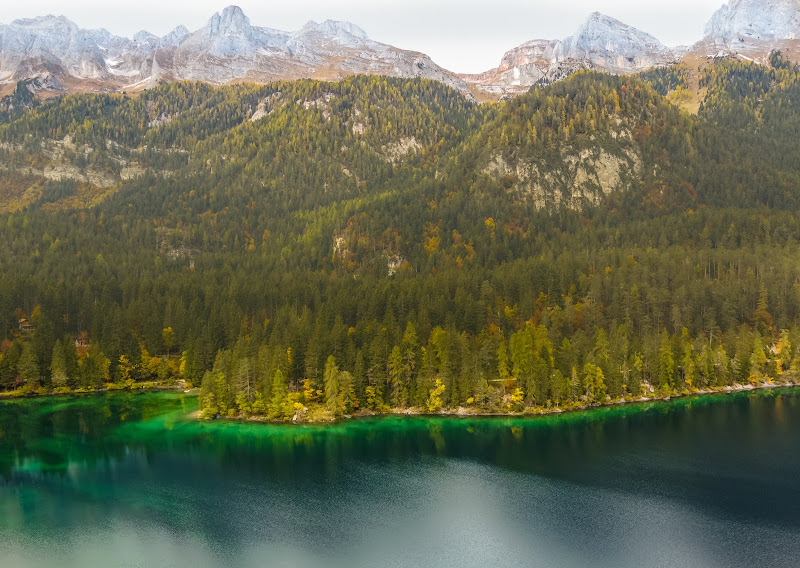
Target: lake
[{"x": 130, "y": 480}]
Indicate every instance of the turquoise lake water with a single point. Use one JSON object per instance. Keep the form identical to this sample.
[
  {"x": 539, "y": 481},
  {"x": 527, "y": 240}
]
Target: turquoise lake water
[{"x": 130, "y": 480}]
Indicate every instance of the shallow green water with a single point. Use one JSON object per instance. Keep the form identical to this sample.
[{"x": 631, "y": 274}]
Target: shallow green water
[{"x": 128, "y": 480}]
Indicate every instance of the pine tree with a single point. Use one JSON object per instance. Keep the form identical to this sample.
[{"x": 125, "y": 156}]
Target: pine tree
[
  {"x": 245, "y": 379},
  {"x": 482, "y": 392},
  {"x": 58, "y": 366},
  {"x": 347, "y": 395},
  {"x": 758, "y": 361},
  {"x": 280, "y": 391},
  {"x": 687, "y": 361},
  {"x": 396, "y": 371},
  {"x": 524, "y": 358},
  {"x": 332, "y": 394},
  {"x": 28, "y": 366},
  {"x": 594, "y": 383},
  {"x": 502, "y": 361},
  {"x": 666, "y": 365},
  {"x": 761, "y": 317},
  {"x": 783, "y": 350}
]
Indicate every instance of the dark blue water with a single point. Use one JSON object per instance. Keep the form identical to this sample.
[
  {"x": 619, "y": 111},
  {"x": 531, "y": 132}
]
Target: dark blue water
[{"x": 130, "y": 480}]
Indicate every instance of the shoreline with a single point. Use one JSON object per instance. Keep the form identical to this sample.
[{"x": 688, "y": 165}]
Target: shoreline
[
  {"x": 460, "y": 412},
  {"x": 20, "y": 395},
  {"x": 463, "y": 412}
]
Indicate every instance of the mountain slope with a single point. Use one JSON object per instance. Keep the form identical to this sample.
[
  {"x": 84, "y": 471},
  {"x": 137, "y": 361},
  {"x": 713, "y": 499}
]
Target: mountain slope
[
  {"x": 191, "y": 129},
  {"x": 588, "y": 239},
  {"x": 574, "y": 144}
]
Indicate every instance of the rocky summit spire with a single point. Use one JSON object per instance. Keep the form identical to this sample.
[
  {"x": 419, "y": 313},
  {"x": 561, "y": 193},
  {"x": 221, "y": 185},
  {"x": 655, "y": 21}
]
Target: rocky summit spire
[{"x": 232, "y": 21}]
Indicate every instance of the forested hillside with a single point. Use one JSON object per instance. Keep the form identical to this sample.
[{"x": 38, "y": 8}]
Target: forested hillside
[{"x": 320, "y": 248}]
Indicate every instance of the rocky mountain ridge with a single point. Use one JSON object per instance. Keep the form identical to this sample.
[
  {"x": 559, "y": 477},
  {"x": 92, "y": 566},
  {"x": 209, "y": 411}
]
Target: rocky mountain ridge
[
  {"x": 745, "y": 29},
  {"x": 230, "y": 48},
  {"x": 601, "y": 43}
]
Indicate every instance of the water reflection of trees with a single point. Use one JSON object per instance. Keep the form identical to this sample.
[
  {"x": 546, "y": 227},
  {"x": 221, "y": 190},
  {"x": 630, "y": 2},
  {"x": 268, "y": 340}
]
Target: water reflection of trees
[{"x": 48, "y": 436}]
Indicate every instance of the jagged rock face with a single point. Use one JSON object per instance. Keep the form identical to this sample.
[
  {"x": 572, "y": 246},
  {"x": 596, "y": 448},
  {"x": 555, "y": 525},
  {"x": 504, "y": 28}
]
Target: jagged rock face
[
  {"x": 49, "y": 43},
  {"x": 751, "y": 29},
  {"x": 610, "y": 45},
  {"x": 227, "y": 48},
  {"x": 764, "y": 20},
  {"x": 226, "y": 36},
  {"x": 601, "y": 43},
  {"x": 174, "y": 38},
  {"x": 533, "y": 52},
  {"x": 580, "y": 178},
  {"x": 520, "y": 68}
]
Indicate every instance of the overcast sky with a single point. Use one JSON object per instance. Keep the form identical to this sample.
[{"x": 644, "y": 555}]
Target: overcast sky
[{"x": 465, "y": 36}]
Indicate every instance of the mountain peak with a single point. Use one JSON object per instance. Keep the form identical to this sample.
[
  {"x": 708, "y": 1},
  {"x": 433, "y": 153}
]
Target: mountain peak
[
  {"x": 232, "y": 21},
  {"x": 601, "y": 42},
  {"x": 608, "y": 23},
  {"x": 603, "y": 34},
  {"x": 600, "y": 19},
  {"x": 144, "y": 37},
  {"x": 334, "y": 29},
  {"x": 48, "y": 21},
  {"x": 234, "y": 12},
  {"x": 175, "y": 36}
]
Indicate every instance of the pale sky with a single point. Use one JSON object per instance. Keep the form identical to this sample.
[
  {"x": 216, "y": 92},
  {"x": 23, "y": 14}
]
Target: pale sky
[{"x": 466, "y": 36}]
